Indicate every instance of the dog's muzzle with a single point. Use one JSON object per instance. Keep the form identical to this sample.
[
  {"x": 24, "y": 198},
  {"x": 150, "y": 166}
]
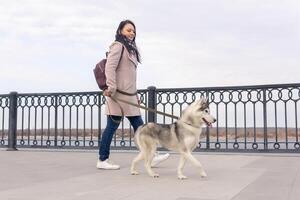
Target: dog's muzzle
[{"x": 208, "y": 123}]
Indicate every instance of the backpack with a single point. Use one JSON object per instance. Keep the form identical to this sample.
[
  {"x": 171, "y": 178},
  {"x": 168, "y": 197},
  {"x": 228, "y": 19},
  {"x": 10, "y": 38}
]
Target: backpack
[{"x": 99, "y": 72}]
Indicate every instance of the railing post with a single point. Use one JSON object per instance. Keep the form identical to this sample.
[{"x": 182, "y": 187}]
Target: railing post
[
  {"x": 207, "y": 128},
  {"x": 12, "y": 133},
  {"x": 265, "y": 120},
  {"x": 151, "y": 103},
  {"x": 55, "y": 120}
]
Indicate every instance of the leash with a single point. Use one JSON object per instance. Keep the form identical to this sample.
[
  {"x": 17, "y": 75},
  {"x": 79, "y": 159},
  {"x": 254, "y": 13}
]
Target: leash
[
  {"x": 122, "y": 111},
  {"x": 142, "y": 107},
  {"x": 115, "y": 99}
]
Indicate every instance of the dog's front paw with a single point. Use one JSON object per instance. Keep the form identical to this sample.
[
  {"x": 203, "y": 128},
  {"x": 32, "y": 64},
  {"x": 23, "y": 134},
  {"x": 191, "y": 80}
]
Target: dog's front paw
[
  {"x": 154, "y": 175},
  {"x": 134, "y": 173},
  {"x": 203, "y": 174},
  {"x": 182, "y": 177}
]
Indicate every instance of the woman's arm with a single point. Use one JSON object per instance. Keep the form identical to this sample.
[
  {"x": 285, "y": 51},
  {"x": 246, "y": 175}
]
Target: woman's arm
[{"x": 111, "y": 67}]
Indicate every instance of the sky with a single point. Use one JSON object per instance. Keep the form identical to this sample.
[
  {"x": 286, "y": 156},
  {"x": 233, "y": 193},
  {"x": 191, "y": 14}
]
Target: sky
[{"x": 53, "y": 46}]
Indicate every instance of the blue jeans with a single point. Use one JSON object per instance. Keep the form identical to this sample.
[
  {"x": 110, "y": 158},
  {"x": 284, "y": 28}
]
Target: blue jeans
[{"x": 110, "y": 130}]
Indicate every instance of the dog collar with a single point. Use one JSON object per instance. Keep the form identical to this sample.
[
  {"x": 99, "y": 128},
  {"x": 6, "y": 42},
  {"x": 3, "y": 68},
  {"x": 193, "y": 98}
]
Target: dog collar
[{"x": 190, "y": 124}]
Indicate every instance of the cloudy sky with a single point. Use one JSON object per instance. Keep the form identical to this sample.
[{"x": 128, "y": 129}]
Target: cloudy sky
[{"x": 53, "y": 45}]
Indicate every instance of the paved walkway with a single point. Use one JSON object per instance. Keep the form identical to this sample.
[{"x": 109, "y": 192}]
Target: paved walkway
[{"x": 65, "y": 175}]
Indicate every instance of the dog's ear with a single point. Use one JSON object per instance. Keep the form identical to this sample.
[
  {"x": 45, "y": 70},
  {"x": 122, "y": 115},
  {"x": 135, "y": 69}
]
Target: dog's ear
[{"x": 203, "y": 103}]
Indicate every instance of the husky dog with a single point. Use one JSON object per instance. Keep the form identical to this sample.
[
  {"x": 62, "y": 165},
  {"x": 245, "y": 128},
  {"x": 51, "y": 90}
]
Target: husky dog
[{"x": 181, "y": 136}]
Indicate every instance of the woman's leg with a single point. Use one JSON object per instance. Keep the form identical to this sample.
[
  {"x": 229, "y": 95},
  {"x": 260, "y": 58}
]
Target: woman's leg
[
  {"x": 135, "y": 121},
  {"x": 111, "y": 127}
]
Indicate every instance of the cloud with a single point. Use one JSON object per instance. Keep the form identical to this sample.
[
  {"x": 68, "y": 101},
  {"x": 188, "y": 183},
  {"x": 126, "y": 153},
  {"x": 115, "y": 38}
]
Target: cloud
[
  {"x": 65, "y": 20},
  {"x": 190, "y": 44}
]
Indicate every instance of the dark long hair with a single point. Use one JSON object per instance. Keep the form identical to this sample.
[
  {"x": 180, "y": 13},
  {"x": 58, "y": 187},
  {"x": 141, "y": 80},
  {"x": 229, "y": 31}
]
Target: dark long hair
[{"x": 130, "y": 45}]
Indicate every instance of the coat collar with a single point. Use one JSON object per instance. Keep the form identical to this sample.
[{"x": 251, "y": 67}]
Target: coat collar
[{"x": 132, "y": 58}]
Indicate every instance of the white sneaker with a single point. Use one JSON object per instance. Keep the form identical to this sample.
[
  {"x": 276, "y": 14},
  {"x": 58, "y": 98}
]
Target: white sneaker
[
  {"x": 106, "y": 164},
  {"x": 159, "y": 158}
]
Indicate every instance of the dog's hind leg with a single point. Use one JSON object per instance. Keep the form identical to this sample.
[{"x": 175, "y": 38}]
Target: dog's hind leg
[
  {"x": 180, "y": 167},
  {"x": 149, "y": 155},
  {"x": 194, "y": 161},
  {"x": 138, "y": 158}
]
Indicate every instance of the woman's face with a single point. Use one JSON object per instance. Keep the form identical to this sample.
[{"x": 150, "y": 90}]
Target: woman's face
[{"x": 128, "y": 31}]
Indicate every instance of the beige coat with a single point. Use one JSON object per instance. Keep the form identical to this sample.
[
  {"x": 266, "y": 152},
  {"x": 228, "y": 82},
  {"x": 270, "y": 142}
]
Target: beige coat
[{"x": 122, "y": 77}]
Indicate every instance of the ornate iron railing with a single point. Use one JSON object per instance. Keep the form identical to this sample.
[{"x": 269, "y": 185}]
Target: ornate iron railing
[{"x": 249, "y": 118}]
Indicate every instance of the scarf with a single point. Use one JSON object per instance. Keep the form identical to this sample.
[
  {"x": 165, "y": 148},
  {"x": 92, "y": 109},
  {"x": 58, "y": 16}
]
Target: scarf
[{"x": 129, "y": 44}]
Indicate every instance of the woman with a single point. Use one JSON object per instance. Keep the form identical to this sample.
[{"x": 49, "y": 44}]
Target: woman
[{"x": 120, "y": 71}]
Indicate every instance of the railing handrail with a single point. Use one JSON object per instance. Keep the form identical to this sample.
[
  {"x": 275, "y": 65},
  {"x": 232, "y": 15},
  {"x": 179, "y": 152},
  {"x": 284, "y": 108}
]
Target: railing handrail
[{"x": 215, "y": 88}]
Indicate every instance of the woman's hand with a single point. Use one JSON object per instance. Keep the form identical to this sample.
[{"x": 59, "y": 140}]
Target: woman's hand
[
  {"x": 138, "y": 100},
  {"x": 107, "y": 93}
]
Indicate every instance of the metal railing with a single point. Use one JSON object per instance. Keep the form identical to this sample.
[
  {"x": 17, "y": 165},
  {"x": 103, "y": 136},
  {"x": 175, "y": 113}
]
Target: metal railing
[{"x": 249, "y": 118}]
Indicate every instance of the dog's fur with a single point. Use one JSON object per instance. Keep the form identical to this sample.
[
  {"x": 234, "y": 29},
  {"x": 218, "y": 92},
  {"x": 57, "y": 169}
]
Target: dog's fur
[{"x": 181, "y": 136}]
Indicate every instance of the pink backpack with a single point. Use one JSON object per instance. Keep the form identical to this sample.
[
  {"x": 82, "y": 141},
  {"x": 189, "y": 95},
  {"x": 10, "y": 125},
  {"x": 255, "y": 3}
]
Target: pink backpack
[{"x": 99, "y": 72}]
